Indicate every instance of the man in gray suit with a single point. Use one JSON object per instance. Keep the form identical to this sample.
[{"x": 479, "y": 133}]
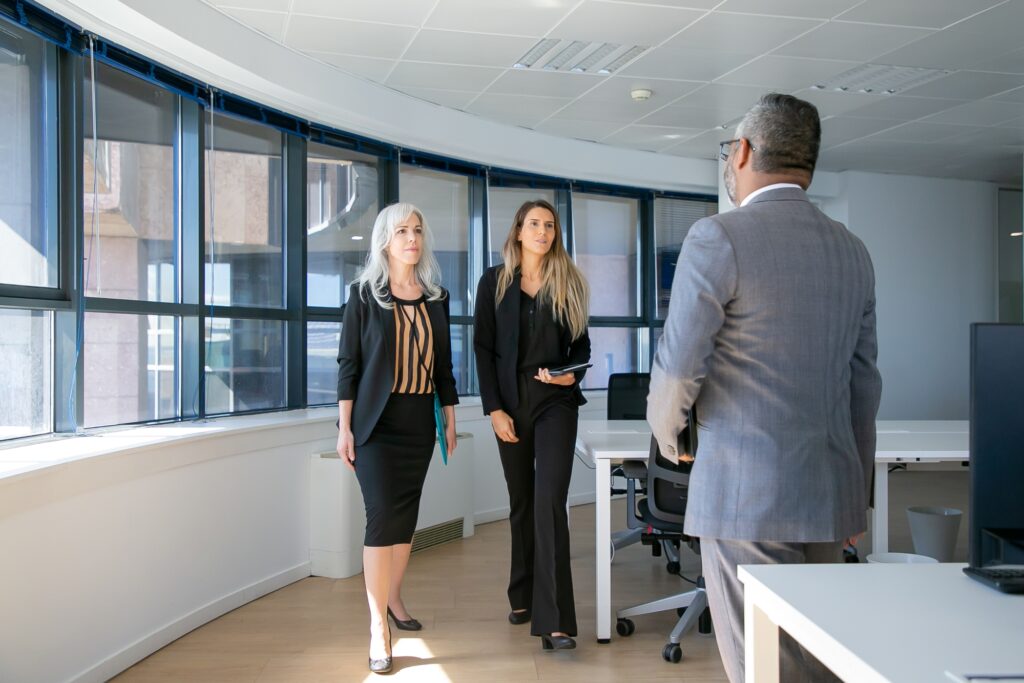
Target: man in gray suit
[{"x": 771, "y": 331}]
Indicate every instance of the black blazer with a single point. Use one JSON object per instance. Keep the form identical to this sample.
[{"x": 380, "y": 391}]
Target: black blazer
[
  {"x": 366, "y": 358},
  {"x": 496, "y": 343}
]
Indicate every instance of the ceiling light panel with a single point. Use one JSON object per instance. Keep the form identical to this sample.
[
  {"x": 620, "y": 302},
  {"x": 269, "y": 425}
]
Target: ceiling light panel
[
  {"x": 881, "y": 79},
  {"x": 578, "y": 56}
]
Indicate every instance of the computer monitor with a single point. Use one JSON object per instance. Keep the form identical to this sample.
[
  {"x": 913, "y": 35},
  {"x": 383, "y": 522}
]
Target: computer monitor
[{"x": 997, "y": 445}]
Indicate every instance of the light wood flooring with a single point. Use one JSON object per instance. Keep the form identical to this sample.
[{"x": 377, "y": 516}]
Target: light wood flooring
[{"x": 316, "y": 629}]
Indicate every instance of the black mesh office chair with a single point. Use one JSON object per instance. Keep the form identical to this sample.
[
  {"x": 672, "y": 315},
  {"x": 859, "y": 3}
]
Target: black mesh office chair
[
  {"x": 627, "y": 400},
  {"x": 662, "y": 511}
]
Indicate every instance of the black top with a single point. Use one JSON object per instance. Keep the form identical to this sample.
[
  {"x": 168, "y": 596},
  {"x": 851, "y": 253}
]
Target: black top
[
  {"x": 366, "y": 358},
  {"x": 539, "y": 336},
  {"x": 496, "y": 344}
]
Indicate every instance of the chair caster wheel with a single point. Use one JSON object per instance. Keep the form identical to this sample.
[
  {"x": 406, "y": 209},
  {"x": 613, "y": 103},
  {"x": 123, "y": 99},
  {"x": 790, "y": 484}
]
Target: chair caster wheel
[
  {"x": 625, "y": 627},
  {"x": 672, "y": 567},
  {"x": 672, "y": 653}
]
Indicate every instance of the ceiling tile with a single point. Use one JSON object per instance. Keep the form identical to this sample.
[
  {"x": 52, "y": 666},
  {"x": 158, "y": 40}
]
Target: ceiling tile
[
  {"x": 1009, "y": 63},
  {"x": 650, "y": 138},
  {"x": 840, "y": 129},
  {"x": 833, "y": 103},
  {"x": 583, "y": 130},
  {"x": 454, "y": 99},
  {"x": 727, "y": 101},
  {"x": 917, "y": 131},
  {"x": 442, "y": 76},
  {"x": 967, "y": 85},
  {"x": 616, "y": 91},
  {"x": 842, "y": 40},
  {"x": 403, "y": 12},
  {"x": 624, "y": 24},
  {"x": 347, "y": 37},
  {"x": 520, "y": 110},
  {"x": 702, "y": 146},
  {"x": 786, "y": 73},
  {"x": 685, "y": 117},
  {"x": 366, "y": 67},
  {"x": 885, "y": 157},
  {"x": 811, "y": 9},
  {"x": 720, "y": 32},
  {"x": 456, "y": 47},
  {"x": 902, "y": 107},
  {"x": 924, "y": 13},
  {"x": 274, "y": 5},
  {"x": 544, "y": 83},
  {"x": 688, "y": 64},
  {"x": 507, "y": 17},
  {"x": 980, "y": 113},
  {"x": 1016, "y": 95},
  {"x": 686, "y": 4},
  {"x": 994, "y": 137},
  {"x": 270, "y": 24}
]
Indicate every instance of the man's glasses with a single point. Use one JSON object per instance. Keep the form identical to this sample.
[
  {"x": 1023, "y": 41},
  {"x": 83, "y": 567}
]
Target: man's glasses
[{"x": 725, "y": 147}]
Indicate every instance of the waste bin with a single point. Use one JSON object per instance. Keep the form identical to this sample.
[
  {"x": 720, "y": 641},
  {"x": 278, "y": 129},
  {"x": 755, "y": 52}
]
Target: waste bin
[
  {"x": 934, "y": 531},
  {"x": 899, "y": 558}
]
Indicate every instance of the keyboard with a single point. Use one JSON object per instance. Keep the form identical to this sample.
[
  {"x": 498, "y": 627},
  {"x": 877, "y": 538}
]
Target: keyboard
[{"x": 1005, "y": 579}]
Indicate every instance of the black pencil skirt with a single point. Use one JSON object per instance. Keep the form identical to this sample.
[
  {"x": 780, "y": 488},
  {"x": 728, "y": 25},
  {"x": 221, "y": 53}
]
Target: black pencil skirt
[{"x": 392, "y": 465}]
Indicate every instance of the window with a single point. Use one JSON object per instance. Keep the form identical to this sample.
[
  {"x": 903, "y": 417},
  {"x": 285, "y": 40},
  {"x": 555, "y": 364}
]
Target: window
[
  {"x": 26, "y": 368},
  {"x": 612, "y": 349},
  {"x": 444, "y": 200},
  {"x": 130, "y": 368},
  {"x": 28, "y": 182},
  {"x": 502, "y": 204},
  {"x": 605, "y": 242},
  {"x": 463, "y": 360},
  {"x": 130, "y": 240},
  {"x": 244, "y": 217},
  {"x": 341, "y": 206},
  {"x": 322, "y": 339},
  {"x": 672, "y": 221},
  {"x": 244, "y": 365}
]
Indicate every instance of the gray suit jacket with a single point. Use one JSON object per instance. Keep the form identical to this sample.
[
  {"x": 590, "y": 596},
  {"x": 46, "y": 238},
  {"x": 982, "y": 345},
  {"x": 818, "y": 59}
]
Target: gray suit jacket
[{"x": 771, "y": 330}]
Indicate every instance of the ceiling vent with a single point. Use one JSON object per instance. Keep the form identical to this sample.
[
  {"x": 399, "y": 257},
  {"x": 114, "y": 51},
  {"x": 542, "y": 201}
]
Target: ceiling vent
[
  {"x": 577, "y": 56},
  {"x": 881, "y": 79}
]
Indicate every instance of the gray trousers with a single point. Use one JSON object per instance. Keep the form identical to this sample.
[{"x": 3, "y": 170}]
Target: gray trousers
[{"x": 725, "y": 597}]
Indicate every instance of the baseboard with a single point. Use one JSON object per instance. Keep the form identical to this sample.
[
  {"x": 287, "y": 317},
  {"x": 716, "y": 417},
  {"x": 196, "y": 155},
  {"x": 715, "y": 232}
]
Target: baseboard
[{"x": 147, "y": 645}]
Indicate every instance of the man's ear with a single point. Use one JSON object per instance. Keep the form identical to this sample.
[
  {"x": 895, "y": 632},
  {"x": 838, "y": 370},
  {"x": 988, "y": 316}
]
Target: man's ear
[{"x": 743, "y": 153}]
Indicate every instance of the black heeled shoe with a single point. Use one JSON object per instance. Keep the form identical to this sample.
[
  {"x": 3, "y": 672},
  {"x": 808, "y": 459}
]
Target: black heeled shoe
[
  {"x": 553, "y": 642},
  {"x": 382, "y": 666},
  {"x": 519, "y": 617},
  {"x": 409, "y": 624}
]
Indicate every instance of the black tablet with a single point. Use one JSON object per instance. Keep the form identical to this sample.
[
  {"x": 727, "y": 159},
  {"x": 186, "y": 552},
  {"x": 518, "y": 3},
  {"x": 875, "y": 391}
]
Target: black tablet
[{"x": 555, "y": 372}]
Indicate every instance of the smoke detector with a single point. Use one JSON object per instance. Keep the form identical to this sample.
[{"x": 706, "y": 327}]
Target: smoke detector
[{"x": 640, "y": 94}]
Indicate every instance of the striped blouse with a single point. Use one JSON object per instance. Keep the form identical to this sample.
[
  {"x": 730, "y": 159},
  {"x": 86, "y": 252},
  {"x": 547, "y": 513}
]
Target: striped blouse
[{"x": 414, "y": 348}]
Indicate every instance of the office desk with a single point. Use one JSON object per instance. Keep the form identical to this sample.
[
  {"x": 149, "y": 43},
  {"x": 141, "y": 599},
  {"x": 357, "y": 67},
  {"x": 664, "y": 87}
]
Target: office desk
[
  {"x": 871, "y": 623},
  {"x": 605, "y": 442}
]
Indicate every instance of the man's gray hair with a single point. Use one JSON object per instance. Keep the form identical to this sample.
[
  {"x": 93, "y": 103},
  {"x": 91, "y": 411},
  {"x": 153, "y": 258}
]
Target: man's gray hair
[{"x": 785, "y": 132}]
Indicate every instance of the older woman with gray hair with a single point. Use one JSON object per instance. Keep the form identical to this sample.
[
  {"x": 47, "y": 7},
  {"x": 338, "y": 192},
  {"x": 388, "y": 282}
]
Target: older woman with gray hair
[{"x": 394, "y": 354}]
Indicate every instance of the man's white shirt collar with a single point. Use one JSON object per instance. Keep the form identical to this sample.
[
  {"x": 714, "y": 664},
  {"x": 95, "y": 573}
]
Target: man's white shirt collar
[{"x": 750, "y": 197}]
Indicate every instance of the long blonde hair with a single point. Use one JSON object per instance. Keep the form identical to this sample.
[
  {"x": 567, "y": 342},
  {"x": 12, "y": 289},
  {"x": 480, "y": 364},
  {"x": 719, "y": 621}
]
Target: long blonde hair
[
  {"x": 376, "y": 274},
  {"x": 563, "y": 286}
]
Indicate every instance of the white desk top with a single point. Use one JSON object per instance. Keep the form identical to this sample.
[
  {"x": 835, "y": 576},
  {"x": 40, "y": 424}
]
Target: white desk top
[
  {"x": 898, "y": 441},
  {"x": 891, "y": 622}
]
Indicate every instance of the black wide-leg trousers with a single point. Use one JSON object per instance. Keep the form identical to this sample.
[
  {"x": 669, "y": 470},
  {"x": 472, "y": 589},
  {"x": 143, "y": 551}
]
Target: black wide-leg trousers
[{"x": 537, "y": 471}]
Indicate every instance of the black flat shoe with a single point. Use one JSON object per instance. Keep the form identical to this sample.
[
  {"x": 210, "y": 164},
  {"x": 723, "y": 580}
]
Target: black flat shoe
[
  {"x": 550, "y": 642},
  {"x": 517, "y": 618},
  {"x": 382, "y": 666},
  {"x": 409, "y": 624}
]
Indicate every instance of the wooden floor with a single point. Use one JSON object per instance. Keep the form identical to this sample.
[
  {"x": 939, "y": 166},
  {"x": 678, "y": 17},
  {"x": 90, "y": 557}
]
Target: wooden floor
[{"x": 316, "y": 629}]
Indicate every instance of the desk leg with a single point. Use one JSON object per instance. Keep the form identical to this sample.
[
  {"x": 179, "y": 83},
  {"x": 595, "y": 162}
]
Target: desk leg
[
  {"x": 880, "y": 516},
  {"x": 603, "y": 545},
  {"x": 761, "y": 643}
]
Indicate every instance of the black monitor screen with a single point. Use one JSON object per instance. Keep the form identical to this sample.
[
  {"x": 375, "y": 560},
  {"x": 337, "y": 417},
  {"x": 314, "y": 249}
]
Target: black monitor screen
[{"x": 997, "y": 439}]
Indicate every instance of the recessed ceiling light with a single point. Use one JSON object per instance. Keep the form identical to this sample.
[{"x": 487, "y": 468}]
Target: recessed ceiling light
[
  {"x": 357, "y": 237},
  {"x": 561, "y": 58},
  {"x": 1017, "y": 234},
  {"x": 623, "y": 59},
  {"x": 880, "y": 79},
  {"x": 595, "y": 57},
  {"x": 534, "y": 54},
  {"x": 672, "y": 136},
  {"x": 579, "y": 56}
]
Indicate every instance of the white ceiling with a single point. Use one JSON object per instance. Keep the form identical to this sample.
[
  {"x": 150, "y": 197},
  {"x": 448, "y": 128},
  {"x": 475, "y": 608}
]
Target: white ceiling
[{"x": 709, "y": 60}]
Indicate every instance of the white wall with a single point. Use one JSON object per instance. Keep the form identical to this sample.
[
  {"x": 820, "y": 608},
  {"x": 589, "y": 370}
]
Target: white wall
[{"x": 932, "y": 244}]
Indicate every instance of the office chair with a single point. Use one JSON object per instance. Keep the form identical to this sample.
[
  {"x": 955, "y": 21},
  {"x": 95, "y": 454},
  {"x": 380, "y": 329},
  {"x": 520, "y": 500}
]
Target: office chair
[
  {"x": 627, "y": 400},
  {"x": 662, "y": 510}
]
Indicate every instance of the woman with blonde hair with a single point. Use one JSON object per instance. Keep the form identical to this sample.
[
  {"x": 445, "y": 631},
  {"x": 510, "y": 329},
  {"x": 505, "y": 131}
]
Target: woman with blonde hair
[
  {"x": 530, "y": 320},
  {"x": 394, "y": 354}
]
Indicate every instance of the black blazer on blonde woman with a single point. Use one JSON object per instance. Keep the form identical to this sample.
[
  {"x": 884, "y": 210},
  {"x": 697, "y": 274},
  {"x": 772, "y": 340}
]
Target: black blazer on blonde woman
[
  {"x": 497, "y": 355},
  {"x": 366, "y": 358}
]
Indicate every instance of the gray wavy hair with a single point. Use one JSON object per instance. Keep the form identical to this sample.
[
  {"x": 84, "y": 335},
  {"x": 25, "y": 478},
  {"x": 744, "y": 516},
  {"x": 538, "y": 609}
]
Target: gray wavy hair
[{"x": 376, "y": 275}]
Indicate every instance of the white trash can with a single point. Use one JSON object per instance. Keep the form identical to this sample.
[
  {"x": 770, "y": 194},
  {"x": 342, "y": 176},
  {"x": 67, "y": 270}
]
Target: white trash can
[
  {"x": 899, "y": 558},
  {"x": 934, "y": 531}
]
